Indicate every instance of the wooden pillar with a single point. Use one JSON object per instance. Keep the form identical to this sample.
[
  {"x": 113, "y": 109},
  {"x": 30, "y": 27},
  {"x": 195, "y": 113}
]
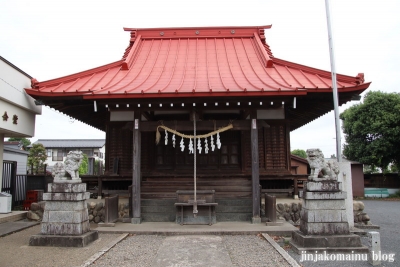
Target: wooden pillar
[
  {"x": 136, "y": 174},
  {"x": 255, "y": 171}
]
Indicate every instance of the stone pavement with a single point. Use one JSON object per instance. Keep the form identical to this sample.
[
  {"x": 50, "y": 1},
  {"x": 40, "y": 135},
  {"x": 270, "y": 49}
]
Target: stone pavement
[{"x": 199, "y": 250}]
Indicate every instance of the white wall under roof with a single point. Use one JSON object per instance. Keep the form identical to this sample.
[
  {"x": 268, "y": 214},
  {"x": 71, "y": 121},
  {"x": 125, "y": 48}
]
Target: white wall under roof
[{"x": 15, "y": 101}]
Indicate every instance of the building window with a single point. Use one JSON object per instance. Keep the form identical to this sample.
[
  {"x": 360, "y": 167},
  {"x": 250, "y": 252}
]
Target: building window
[
  {"x": 88, "y": 152},
  {"x": 58, "y": 155},
  {"x": 98, "y": 154},
  {"x": 48, "y": 151}
]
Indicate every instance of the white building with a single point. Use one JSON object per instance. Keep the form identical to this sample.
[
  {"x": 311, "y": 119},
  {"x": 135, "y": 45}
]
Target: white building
[
  {"x": 17, "y": 109},
  {"x": 57, "y": 149},
  {"x": 13, "y": 151}
]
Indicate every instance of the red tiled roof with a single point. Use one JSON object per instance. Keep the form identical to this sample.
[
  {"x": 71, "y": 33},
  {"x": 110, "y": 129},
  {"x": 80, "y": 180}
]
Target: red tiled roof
[{"x": 187, "y": 62}]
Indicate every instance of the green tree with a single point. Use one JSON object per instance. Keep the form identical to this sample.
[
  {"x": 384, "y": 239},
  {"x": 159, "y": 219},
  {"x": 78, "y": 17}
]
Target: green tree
[
  {"x": 25, "y": 142},
  {"x": 37, "y": 156},
  {"x": 300, "y": 153},
  {"x": 83, "y": 168},
  {"x": 369, "y": 169},
  {"x": 372, "y": 130}
]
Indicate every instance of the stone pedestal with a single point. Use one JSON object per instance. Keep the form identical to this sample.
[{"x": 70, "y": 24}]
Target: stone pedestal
[
  {"x": 65, "y": 219},
  {"x": 324, "y": 225}
]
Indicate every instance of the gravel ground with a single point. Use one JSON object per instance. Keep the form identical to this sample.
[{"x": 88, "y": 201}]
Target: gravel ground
[
  {"x": 141, "y": 251},
  {"x": 134, "y": 251},
  {"x": 15, "y": 251},
  {"x": 249, "y": 250}
]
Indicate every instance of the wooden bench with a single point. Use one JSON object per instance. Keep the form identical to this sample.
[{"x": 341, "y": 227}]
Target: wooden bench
[
  {"x": 205, "y": 205},
  {"x": 288, "y": 191}
]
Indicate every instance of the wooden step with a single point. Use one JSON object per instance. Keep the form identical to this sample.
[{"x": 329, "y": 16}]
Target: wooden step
[
  {"x": 228, "y": 209},
  {"x": 172, "y": 195},
  {"x": 216, "y": 188}
]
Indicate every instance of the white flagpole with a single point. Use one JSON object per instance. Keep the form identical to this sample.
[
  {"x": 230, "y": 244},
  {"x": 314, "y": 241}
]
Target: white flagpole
[
  {"x": 195, "y": 211},
  {"x": 334, "y": 84}
]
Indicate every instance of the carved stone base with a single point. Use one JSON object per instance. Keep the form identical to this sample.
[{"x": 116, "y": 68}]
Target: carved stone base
[
  {"x": 323, "y": 221},
  {"x": 255, "y": 220},
  {"x": 136, "y": 220},
  {"x": 328, "y": 243},
  {"x": 64, "y": 240},
  {"x": 65, "y": 220},
  {"x": 324, "y": 209}
]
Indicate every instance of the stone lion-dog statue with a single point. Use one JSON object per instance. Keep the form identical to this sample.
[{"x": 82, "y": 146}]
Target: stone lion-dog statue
[
  {"x": 72, "y": 163},
  {"x": 321, "y": 170},
  {"x": 58, "y": 171}
]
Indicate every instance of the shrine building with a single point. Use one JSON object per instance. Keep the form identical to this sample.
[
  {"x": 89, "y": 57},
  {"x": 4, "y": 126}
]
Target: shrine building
[{"x": 219, "y": 104}]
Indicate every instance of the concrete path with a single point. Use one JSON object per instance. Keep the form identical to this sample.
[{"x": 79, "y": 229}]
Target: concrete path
[
  {"x": 170, "y": 228},
  {"x": 190, "y": 251},
  {"x": 12, "y": 227}
]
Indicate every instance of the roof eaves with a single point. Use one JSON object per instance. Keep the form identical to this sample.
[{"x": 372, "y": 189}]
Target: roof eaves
[
  {"x": 19, "y": 151},
  {"x": 15, "y": 67},
  {"x": 197, "y": 94},
  {"x": 359, "y": 79},
  {"x": 299, "y": 158},
  {"x": 358, "y": 89},
  {"x": 72, "y": 77}
]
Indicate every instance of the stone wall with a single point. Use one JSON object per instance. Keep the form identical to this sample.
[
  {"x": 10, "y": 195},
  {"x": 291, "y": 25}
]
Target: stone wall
[
  {"x": 291, "y": 212},
  {"x": 96, "y": 211}
]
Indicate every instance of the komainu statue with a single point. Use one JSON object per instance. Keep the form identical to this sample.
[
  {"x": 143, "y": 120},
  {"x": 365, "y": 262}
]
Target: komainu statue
[
  {"x": 72, "y": 163},
  {"x": 321, "y": 170},
  {"x": 58, "y": 171}
]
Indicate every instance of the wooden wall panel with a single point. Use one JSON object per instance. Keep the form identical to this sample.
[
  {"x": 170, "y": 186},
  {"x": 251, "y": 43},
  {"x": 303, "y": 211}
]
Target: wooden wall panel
[
  {"x": 273, "y": 151},
  {"x": 148, "y": 143},
  {"x": 272, "y": 148},
  {"x": 275, "y": 147},
  {"x": 119, "y": 146},
  {"x": 247, "y": 150}
]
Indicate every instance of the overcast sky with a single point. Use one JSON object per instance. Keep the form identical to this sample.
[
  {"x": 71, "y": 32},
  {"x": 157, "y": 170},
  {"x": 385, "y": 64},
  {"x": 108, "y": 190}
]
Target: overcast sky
[{"x": 50, "y": 39}]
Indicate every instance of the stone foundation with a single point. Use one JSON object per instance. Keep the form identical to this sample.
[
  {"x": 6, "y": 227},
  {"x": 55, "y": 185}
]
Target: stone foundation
[
  {"x": 65, "y": 219},
  {"x": 96, "y": 210},
  {"x": 323, "y": 220},
  {"x": 64, "y": 241}
]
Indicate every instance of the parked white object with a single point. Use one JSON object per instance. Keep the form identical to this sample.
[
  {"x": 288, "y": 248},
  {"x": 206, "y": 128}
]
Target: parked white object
[{"x": 5, "y": 202}]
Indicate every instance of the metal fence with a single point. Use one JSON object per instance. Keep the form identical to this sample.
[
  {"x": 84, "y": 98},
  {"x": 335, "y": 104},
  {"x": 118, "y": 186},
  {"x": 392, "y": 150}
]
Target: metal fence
[{"x": 14, "y": 184}]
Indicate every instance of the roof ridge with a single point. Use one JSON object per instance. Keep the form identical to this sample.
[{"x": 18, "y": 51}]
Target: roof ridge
[{"x": 199, "y": 27}]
